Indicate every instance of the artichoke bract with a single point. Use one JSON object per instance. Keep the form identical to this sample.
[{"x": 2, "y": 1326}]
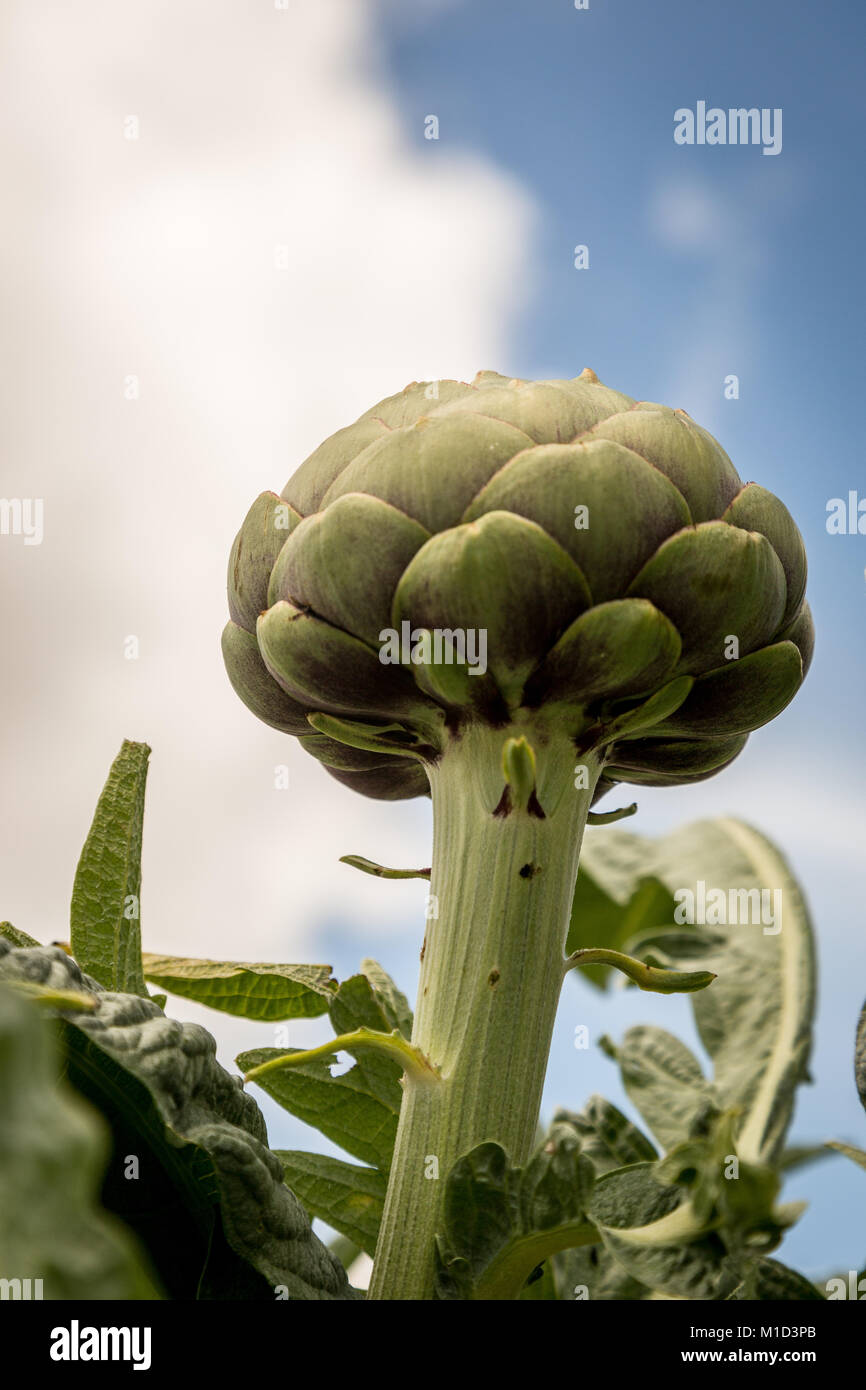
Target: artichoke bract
[
  {"x": 515, "y": 595},
  {"x": 463, "y": 552}
]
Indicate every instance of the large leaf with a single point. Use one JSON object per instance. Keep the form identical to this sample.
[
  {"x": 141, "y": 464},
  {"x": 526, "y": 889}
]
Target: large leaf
[
  {"x": 265, "y": 992},
  {"x": 106, "y": 896},
  {"x": 501, "y": 1222},
  {"x": 53, "y": 1149},
  {"x": 755, "y": 1020},
  {"x": 205, "y": 1193},
  {"x": 349, "y": 1198}
]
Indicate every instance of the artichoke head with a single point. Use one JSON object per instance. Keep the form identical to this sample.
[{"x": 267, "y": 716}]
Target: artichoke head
[{"x": 507, "y": 551}]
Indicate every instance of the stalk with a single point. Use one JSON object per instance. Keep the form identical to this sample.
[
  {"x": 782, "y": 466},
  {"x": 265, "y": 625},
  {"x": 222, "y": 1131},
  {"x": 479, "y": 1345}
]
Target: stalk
[{"x": 502, "y": 883}]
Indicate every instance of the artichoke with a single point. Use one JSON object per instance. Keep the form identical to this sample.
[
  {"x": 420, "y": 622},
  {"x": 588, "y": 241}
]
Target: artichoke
[
  {"x": 598, "y": 550},
  {"x": 515, "y": 594}
]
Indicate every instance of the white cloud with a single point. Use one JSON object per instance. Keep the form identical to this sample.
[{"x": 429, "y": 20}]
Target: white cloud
[{"x": 259, "y": 129}]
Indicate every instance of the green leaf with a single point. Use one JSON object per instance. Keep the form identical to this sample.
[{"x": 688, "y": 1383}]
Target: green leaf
[
  {"x": 756, "y": 1019},
  {"x": 358, "y": 1109},
  {"x": 16, "y": 937},
  {"x": 652, "y": 1232},
  {"x": 591, "y": 1272},
  {"x": 347, "y": 1197},
  {"x": 500, "y": 1222},
  {"x": 53, "y": 1150},
  {"x": 394, "y": 1004},
  {"x": 767, "y": 1280},
  {"x": 208, "y": 1198},
  {"x": 856, "y": 1155},
  {"x": 664, "y": 1080},
  {"x": 604, "y": 915},
  {"x": 265, "y": 992},
  {"x": 369, "y": 866},
  {"x": 340, "y": 1107},
  {"x": 105, "y": 917},
  {"x": 607, "y": 1138},
  {"x": 359, "y": 1003}
]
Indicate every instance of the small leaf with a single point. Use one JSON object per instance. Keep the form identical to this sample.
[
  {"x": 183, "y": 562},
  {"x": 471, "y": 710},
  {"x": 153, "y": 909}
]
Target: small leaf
[
  {"x": 606, "y": 1136},
  {"x": 768, "y": 1280},
  {"x": 500, "y": 1223},
  {"x": 856, "y": 1155},
  {"x": 261, "y": 991},
  {"x": 349, "y": 1198},
  {"x": 664, "y": 1081},
  {"x": 340, "y": 1107},
  {"x": 652, "y": 1232},
  {"x": 603, "y": 916},
  {"x": 368, "y": 866},
  {"x": 16, "y": 937},
  {"x": 394, "y": 1004},
  {"x": 105, "y": 916},
  {"x": 647, "y": 975}
]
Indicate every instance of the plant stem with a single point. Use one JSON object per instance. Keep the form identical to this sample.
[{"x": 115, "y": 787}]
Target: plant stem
[{"x": 502, "y": 884}]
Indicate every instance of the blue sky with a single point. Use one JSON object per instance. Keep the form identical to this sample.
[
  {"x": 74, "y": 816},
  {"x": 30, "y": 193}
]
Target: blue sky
[{"x": 704, "y": 261}]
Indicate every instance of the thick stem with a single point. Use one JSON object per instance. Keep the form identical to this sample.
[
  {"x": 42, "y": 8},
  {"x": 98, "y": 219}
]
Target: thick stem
[{"x": 502, "y": 884}]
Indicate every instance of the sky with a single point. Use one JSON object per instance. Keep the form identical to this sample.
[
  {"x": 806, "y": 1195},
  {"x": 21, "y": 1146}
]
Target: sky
[{"x": 226, "y": 235}]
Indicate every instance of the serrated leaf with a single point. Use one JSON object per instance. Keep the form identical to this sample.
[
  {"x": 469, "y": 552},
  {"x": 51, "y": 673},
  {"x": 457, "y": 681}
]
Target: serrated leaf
[
  {"x": 500, "y": 1223},
  {"x": 53, "y": 1150},
  {"x": 340, "y": 1107},
  {"x": 105, "y": 915},
  {"x": 349, "y": 1198},
  {"x": 209, "y": 1200},
  {"x": 756, "y": 1019},
  {"x": 664, "y": 1080},
  {"x": 607, "y": 1138},
  {"x": 256, "y": 990}
]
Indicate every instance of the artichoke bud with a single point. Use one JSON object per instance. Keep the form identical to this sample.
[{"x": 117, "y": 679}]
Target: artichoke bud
[{"x": 548, "y": 555}]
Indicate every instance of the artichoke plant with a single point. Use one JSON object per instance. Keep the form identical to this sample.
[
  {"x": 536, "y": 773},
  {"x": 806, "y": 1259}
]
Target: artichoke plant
[{"x": 510, "y": 595}]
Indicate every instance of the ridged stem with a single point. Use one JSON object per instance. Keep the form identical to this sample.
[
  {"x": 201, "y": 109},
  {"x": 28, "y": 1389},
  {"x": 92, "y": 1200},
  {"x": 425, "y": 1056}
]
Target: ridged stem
[{"x": 502, "y": 883}]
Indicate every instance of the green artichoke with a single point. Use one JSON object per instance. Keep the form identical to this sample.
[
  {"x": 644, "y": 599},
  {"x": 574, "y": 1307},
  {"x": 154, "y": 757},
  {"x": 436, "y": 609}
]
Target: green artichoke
[{"x": 582, "y": 554}]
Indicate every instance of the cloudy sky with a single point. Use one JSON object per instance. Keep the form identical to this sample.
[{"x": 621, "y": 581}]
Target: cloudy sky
[{"x": 225, "y": 235}]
